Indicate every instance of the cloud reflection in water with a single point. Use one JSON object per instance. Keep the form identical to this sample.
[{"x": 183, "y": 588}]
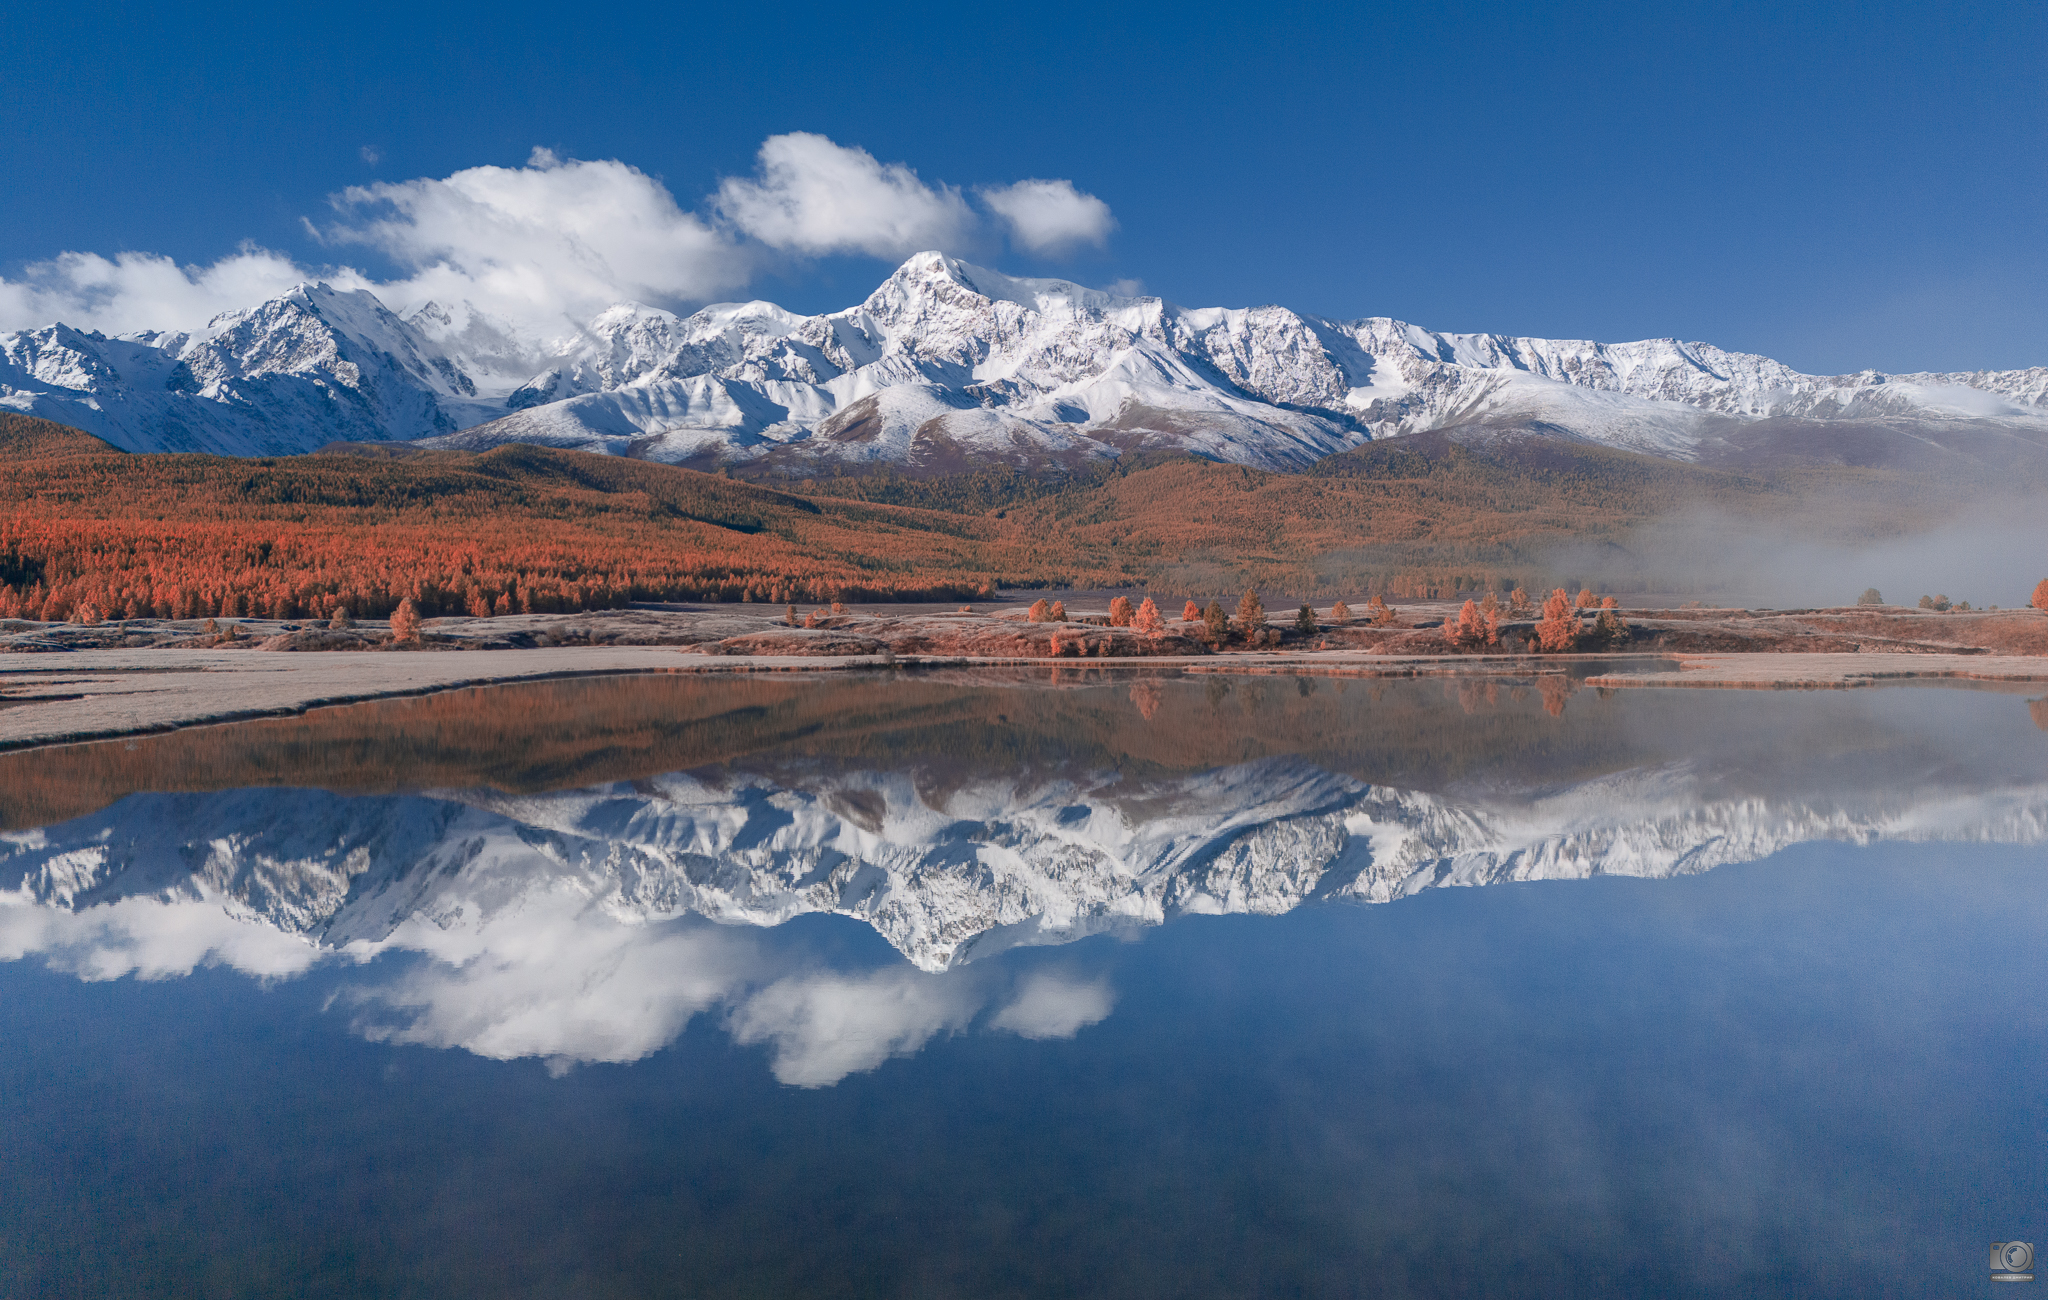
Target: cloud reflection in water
[{"x": 594, "y": 925}]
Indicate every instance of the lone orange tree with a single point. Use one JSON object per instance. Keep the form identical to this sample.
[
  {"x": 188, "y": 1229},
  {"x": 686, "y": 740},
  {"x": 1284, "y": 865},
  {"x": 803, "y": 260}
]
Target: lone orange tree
[
  {"x": 1251, "y": 616},
  {"x": 2041, "y": 595},
  {"x": 405, "y": 621},
  {"x": 1558, "y": 630}
]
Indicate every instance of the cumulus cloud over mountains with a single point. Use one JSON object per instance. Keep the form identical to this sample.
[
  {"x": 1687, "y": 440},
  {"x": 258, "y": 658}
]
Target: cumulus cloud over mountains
[
  {"x": 813, "y": 196},
  {"x": 138, "y": 291},
  {"x": 541, "y": 247},
  {"x": 551, "y": 239},
  {"x": 1050, "y": 216}
]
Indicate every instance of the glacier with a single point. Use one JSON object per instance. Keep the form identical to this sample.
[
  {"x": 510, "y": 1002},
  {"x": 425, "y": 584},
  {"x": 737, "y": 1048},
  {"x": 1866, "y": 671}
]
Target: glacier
[{"x": 944, "y": 366}]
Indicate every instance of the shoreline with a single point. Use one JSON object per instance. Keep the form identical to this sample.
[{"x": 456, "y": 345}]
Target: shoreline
[{"x": 94, "y": 695}]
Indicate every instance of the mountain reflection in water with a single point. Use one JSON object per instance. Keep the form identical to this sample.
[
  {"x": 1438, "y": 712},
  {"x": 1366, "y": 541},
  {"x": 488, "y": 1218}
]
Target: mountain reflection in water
[{"x": 572, "y": 870}]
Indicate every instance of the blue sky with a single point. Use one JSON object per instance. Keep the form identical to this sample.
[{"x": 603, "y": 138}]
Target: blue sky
[{"x": 1839, "y": 186}]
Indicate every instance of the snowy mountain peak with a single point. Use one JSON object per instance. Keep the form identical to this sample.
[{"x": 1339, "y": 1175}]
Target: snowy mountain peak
[
  {"x": 944, "y": 365},
  {"x": 310, "y": 366},
  {"x": 931, "y": 270},
  {"x": 314, "y": 329}
]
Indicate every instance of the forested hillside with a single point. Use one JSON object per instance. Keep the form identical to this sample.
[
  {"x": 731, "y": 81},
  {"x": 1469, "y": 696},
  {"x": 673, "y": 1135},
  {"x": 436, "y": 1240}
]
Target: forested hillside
[
  {"x": 518, "y": 528},
  {"x": 90, "y": 532}
]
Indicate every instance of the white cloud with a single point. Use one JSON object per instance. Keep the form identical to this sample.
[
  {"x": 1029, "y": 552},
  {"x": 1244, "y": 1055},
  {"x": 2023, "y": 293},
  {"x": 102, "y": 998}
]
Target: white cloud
[
  {"x": 812, "y": 196},
  {"x": 522, "y": 256},
  {"x": 542, "y": 246},
  {"x": 371, "y": 154},
  {"x": 1050, "y": 217},
  {"x": 1051, "y": 1007},
  {"x": 140, "y": 291}
]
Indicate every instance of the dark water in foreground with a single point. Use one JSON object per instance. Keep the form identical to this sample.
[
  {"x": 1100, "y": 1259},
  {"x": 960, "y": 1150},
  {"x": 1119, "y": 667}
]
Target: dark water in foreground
[{"x": 957, "y": 987}]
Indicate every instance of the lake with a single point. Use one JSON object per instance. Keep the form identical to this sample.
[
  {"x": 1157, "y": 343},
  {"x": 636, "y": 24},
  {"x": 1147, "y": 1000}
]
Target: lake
[{"x": 1076, "y": 982}]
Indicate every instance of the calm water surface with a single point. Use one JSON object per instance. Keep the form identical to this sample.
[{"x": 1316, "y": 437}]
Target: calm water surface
[{"x": 1016, "y": 986}]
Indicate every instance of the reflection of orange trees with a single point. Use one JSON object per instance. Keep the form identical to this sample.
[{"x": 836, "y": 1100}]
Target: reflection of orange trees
[
  {"x": 1146, "y": 696},
  {"x": 560, "y": 734},
  {"x": 1478, "y": 696},
  {"x": 1558, "y": 630},
  {"x": 1555, "y": 688},
  {"x": 2038, "y": 711}
]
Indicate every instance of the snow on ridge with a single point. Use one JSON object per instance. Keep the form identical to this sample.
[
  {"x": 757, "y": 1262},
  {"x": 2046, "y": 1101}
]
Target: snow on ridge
[
  {"x": 1262, "y": 385},
  {"x": 311, "y": 366},
  {"x": 979, "y": 366}
]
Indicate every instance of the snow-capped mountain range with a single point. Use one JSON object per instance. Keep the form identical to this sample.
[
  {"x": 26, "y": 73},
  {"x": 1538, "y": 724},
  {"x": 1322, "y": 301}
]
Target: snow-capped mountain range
[{"x": 944, "y": 365}]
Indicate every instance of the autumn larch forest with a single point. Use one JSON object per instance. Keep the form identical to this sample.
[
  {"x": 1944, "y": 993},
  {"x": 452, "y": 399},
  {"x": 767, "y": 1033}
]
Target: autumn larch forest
[{"x": 89, "y": 532}]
